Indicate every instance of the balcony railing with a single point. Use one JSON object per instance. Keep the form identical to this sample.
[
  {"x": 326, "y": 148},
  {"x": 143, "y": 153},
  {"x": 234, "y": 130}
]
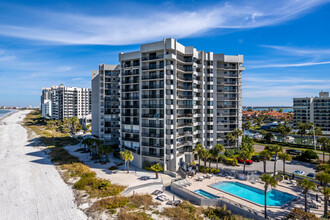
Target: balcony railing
[
  {"x": 185, "y": 97},
  {"x": 153, "y": 106},
  {"x": 152, "y": 86},
  {"x": 130, "y": 81},
  {"x": 184, "y": 87},
  {"x": 134, "y": 89},
  {"x": 158, "y": 76},
  {"x": 158, "y": 96},
  {"x": 152, "y": 145},
  {"x": 184, "y": 124},
  {"x": 152, "y": 67},
  {"x": 152, "y": 154},
  {"x": 130, "y": 106},
  {"x": 156, "y": 115},
  {"x": 184, "y": 115},
  {"x": 153, "y": 57},
  {"x": 152, "y": 135},
  {"x": 152, "y": 125},
  {"x": 130, "y": 139},
  {"x": 130, "y": 98},
  {"x": 130, "y": 131}
]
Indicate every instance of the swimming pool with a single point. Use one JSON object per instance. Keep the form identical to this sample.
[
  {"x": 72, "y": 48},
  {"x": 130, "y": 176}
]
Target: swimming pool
[
  {"x": 206, "y": 194},
  {"x": 274, "y": 197}
]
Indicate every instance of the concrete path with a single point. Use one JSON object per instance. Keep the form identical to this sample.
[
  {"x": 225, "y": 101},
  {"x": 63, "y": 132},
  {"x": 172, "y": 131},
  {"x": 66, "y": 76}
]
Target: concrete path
[{"x": 30, "y": 186}]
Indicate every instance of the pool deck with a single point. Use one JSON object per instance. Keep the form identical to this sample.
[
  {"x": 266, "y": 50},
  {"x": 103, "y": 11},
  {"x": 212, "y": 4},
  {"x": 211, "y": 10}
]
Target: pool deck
[{"x": 284, "y": 186}]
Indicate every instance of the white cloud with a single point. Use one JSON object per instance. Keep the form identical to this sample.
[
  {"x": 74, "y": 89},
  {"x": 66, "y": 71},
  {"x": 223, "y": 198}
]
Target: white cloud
[
  {"x": 300, "y": 51},
  {"x": 64, "y": 68},
  {"x": 65, "y": 28},
  {"x": 279, "y": 65}
]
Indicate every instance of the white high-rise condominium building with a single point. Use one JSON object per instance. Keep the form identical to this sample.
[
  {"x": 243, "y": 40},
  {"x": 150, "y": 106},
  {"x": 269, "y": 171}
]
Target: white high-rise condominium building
[
  {"x": 313, "y": 109},
  {"x": 171, "y": 98},
  {"x": 65, "y": 102}
]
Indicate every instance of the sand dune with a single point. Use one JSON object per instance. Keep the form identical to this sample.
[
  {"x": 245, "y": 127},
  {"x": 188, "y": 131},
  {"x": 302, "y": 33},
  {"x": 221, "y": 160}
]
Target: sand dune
[{"x": 30, "y": 186}]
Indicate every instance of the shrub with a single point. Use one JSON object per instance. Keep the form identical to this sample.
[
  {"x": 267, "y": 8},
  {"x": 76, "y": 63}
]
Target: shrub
[
  {"x": 61, "y": 156},
  {"x": 185, "y": 210},
  {"x": 229, "y": 152},
  {"x": 113, "y": 168},
  {"x": 125, "y": 214},
  {"x": 218, "y": 213},
  {"x": 76, "y": 169},
  {"x": 297, "y": 213},
  {"x": 202, "y": 169},
  {"x": 323, "y": 167},
  {"x": 133, "y": 202},
  {"x": 231, "y": 161},
  {"x": 97, "y": 187},
  {"x": 308, "y": 155},
  {"x": 215, "y": 171}
]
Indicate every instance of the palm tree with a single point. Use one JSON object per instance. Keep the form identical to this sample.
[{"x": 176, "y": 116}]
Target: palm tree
[
  {"x": 325, "y": 142},
  {"x": 284, "y": 157},
  {"x": 204, "y": 153},
  {"x": 324, "y": 178},
  {"x": 105, "y": 150},
  {"x": 74, "y": 124},
  {"x": 127, "y": 156},
  {"x": 306, "y": 185},
  {"x": 275, "y": 149},
  {"x": 198, "y": 148},
  {"x": 157, "y": 168},
  {"x": 217, "y": 149},
  {"x": 269, "y": 181},
  {"x": 209, "y": 157},
  {"x": 268, "y": 137},
  {"x": 244, "y": 155},
  {"x": 247, "y": 125},
  {"x": 264, "y": 156},
  {"x": 234, "y": 135}
]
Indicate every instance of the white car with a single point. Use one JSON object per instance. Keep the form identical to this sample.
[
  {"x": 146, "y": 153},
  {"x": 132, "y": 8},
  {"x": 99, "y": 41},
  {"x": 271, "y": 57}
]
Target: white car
[{"x": 299, "y": 172}]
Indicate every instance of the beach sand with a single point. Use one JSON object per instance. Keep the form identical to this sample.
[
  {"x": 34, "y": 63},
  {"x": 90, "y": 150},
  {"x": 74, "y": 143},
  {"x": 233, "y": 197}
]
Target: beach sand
[{"x": 30, "y": 185}]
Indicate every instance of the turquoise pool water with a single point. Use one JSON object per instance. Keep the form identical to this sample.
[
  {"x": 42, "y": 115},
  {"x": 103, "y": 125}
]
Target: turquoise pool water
[
  {"x": 274, "y": 197},
  {"x": 206, "y": 194}
]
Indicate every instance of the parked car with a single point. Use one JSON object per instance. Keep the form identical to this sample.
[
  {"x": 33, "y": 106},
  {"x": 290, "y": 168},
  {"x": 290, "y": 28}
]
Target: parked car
[
  {"x": 248, "y": 162},
  {"x": 299, "y": 172},
  {"x": 311, "y": 175},
  {"x": 293, "y": 152},
  {"x": 273, "y": 158},
  {"x": 255, "y": 158}
]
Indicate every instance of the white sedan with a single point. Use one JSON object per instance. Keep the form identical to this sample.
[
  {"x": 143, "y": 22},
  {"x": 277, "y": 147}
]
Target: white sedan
[{"x": 299, "y": 172}]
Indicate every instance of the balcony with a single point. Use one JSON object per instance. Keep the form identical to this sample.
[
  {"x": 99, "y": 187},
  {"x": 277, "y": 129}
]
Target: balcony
[
  {"x": 185, "y": 106},
  {"x": 146, "y": 144},
  {"x": 131, "y": 73},
  {"x": 130, "y": 114},
  {"x": 136, "y": 139},
  {"x": 184, "y": 87},
  {"x": 130, "y": 81},
  {"x": 153, "y": 106},
  {"x": 152, "y": 135},
  {"x": 153, "y": 57},
  {"x": 134, "y": 89},
  {"x": 130, "y": 106},
  {"x": 228, "y": 90},
  {"x": 185, "y": 97},
  {"x": 152, "y": 67},
  {"x": 153, "y": 87},
  {"x": 184, "y": 125},
  {"x": 157, "y": 96},
  {"x": 152, "y": 125},
  {"x": 130, "y": 131},
  {"x": 130, "y": 123},
  {"x": 156, "y": 115},
  {"x": 130, "y": 98},
  {"x": 184, "y": 115},
  {"x": 160, "y": 155},
  {"x": 157, "y": 76}
]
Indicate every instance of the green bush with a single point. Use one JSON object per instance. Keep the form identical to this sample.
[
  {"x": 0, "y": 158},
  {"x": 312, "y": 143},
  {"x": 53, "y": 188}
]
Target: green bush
[
  {"x": 308, "y": 155},
  {"x": 231, "y": 161},
  {"x": 215, "y": 171},
  {"x": 297, "y": 213},
  {"x": 202, "y": 169}
]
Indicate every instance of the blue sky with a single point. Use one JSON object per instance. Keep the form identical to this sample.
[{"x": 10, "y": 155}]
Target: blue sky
[{"x": 285, "y": 44}]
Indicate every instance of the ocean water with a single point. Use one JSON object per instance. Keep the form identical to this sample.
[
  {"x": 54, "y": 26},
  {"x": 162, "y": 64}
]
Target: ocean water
[
  {"x": 4, "y": 112},
  {"x": 285, "y": 110}
]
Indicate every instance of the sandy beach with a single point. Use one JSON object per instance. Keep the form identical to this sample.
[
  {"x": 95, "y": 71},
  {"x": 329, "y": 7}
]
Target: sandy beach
[{"x": 30, "y": 185}]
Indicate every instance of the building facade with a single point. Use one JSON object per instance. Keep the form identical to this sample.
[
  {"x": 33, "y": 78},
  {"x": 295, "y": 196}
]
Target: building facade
[
  {"x": 65, "y": 102},
  {"x": 173, "y": 97},
  {"x": 313, "y": 109},
  {"x": 105, "y": 103}
]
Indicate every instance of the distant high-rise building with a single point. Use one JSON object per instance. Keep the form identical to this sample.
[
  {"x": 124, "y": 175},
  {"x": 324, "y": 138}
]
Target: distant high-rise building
[
  {"x": 60, "y": 102},
  {"x": 105, "y": 103},
  {"x": 171, "y": 98},
  {"x": 313, "y": 109}
]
